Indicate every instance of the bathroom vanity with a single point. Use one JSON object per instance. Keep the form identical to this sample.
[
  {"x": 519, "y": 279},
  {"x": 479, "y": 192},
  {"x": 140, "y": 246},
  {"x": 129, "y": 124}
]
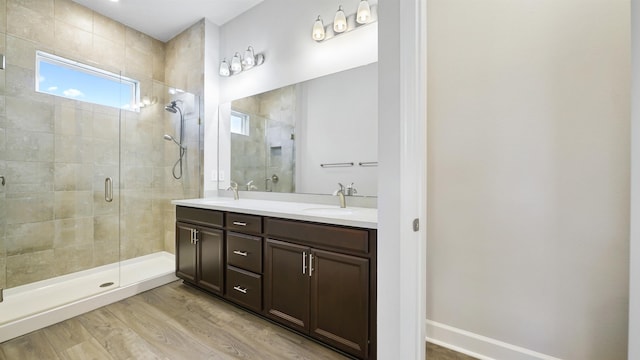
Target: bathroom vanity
[{"x": 308, "y": 267}]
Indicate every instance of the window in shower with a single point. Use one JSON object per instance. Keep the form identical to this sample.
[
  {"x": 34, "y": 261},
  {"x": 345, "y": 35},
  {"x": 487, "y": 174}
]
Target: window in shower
[
  {"x": 73, "y": 80},
  {"x": 240, "y": 123}
]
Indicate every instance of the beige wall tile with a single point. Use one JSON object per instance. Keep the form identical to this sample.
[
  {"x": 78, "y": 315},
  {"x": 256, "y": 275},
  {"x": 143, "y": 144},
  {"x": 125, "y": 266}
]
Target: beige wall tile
[
  {"x": 21, "y": 52},
  {"x": 137, "y": 178},
  {"x": 108, "y": 53},
  {"x": 138, "y": 63},
  {"x": 31, "y": 19},
  {"x": 70, "y": 259},
  {"x": 29, "y": 114},
  {"x": 29, "y": 177},
  {"x": 105, "y": 152},
  {"x": 73, "y": 204},
  {"x": 136, "y": 39},
  {"x": 106, "y": 252},
  {"x": 73, "y": 149},
  {"x": 73, "y": 40},
  {"x": 106, "y": 126},
  {"x": 29, "y": 146},
  {"x": 106, "y": 229},
  {"x": 108, "y": 28},
  {"x": 71, "y": 232},
  {"x": 29, "y": 208},
  {"x": 101, "y": 206},
  {"x": 73, "y": 177},
  {"x": 3, "y": 269},
  {"x": 74, "y": 14},
  {"x": 29, "y": 237},
  {"x": 28, "y": 268},
  {"x": 73, "y": 121},
  {"x": 3, "y": 16},
  {"x": 158, "y": 52}
]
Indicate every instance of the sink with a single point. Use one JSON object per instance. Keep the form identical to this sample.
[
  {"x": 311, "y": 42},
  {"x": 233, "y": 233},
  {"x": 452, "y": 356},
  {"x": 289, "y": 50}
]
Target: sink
[
  {"x": 329, "y": 211},
  {"x": 216, "y": 201}
]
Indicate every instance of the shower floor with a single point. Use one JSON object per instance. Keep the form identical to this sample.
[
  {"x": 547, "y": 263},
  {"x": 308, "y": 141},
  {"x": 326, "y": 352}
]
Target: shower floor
[{"x": 30, "y": 307}]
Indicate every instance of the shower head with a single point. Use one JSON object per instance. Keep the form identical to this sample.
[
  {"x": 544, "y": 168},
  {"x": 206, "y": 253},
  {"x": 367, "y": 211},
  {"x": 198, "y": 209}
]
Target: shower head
[
  {"x": 171, "y": 138},
  {"x": 173, "y": 107}
]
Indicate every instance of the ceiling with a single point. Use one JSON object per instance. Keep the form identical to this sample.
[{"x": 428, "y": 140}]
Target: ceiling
[{"x": 164, "y": 19}]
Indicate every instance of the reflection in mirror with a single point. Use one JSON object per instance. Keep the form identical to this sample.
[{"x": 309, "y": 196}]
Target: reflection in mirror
[{"x": 305, "y": 137}]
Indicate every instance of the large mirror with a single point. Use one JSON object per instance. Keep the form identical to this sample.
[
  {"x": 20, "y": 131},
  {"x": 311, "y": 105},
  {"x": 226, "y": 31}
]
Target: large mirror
[{"x": 304, "y": 138}]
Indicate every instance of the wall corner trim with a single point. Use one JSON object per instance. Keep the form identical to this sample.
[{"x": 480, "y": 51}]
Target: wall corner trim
[{"x": 478, "y": 346}]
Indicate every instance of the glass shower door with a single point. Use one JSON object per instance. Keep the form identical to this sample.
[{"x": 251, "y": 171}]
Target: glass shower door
[{"x": 59, "y": 208}]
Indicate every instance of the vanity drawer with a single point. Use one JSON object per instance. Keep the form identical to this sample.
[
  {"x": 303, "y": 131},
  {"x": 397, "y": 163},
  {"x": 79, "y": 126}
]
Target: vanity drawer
[
  {"x": 244, "y": 288},
  {"x": 244, "y": 223},
  {"x": 199, "y": 216},
  {"x": 317, "y": 235},
  {"x": 244, "y": 251}
]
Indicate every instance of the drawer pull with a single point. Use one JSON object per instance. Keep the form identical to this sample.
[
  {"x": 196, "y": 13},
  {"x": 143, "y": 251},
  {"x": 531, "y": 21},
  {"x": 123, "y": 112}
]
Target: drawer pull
[
  {"x": 240, "y": 289},
  {"x": 241, "y": 253},
  {"x": 304, "y": 263},
  {"x": 238, "y": 223},
  {"x": 310, "y": 264}
]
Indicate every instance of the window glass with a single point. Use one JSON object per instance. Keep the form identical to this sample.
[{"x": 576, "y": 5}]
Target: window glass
[
  {"x": 240, "y": 123},
  {"x": 73, "y": 80}
]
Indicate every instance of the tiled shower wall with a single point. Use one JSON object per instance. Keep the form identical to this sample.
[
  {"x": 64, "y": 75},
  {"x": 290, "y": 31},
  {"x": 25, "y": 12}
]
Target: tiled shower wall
[
  {"x": 55, "y": 153},
  {"x": 269, "y": 148}
]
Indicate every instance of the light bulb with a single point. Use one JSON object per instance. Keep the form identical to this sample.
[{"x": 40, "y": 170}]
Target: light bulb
[
  {"x": 236, "y": 66},
  {"x": 249, "y": 59},
  {"x": 340, "y": 21},
  {"x": 224, "y": 68},
  {"x": 364, "y": 12},
  {"x": 318, "y": 30}
]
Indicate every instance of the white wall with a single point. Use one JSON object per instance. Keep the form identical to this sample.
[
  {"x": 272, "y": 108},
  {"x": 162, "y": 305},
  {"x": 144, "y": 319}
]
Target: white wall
[
  {"x": 528, "y": 189},
  {"x": 212, "y": 93},
  {"x": 340, "y": 125},
  {"x": 634, "y": 281},
  {"x": 281, "y": 30}
]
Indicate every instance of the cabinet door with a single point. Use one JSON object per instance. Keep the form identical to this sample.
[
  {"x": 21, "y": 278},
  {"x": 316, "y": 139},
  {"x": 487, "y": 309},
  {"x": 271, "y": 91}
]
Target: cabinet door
[
  {"x": 286, "y": 286},
  {"x": 211, "y": 259},
  {"x": 185, "y": 253},
  {"x": 340, "y": 301}
]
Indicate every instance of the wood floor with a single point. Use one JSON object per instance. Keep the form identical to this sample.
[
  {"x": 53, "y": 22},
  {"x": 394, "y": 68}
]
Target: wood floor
[{"x": 171, "y": 322}]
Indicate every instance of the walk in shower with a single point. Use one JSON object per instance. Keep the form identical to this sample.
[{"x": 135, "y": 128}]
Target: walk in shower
[{"x": 85, "y": 213}]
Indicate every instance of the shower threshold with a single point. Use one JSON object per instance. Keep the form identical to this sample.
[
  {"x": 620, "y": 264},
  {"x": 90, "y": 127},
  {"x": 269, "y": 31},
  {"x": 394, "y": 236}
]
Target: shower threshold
[{"x": 34, "y": 306}]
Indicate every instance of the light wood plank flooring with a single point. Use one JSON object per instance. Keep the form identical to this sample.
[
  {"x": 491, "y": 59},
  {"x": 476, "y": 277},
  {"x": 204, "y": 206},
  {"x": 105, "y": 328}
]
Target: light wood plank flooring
[{"x": 172, "y": 322}]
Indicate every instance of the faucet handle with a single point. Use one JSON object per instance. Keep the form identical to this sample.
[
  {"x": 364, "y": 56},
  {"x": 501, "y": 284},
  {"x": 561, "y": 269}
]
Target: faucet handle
[
  {"x": 233, "y": 184},
  {"x": 351, "y": 190}
]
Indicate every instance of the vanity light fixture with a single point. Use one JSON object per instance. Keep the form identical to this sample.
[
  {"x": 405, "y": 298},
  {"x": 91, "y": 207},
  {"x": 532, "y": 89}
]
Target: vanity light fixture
[
  {"x": 236, "y": 65},
  {"x": 340, "y": 21},
  {"x": 249, "y": 59},
  {"x": 224, "y": 68},
  {"x": 365, "y": 14},
  {"x": 318, "y": 30},
  {"x": 239, "y": 64}
]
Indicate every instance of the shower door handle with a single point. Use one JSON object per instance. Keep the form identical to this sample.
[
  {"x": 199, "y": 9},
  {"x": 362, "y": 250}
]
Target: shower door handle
[{"x": 108, "y": 189}]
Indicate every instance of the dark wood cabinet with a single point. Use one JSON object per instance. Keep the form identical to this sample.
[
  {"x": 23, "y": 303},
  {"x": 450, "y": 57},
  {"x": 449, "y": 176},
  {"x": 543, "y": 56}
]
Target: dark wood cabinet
[
  {"x": 200, "y": 248},
  {"x": 323, "y": 293},
  {"x": 317, "y": 279},
  {"x": 287, "y": 285}
]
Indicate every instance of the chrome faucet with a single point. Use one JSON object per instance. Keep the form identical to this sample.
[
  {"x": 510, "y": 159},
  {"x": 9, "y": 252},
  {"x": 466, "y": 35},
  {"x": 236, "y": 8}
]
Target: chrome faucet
[
  {"x": 234, "y": 188},
  {"x": 350, "y": 190},
  {"x": 340, "y": 194},
  {"x": 250, "y": 186}
]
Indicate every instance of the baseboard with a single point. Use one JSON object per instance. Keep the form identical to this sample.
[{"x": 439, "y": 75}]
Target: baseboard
[{"x": 478, "y": 346}]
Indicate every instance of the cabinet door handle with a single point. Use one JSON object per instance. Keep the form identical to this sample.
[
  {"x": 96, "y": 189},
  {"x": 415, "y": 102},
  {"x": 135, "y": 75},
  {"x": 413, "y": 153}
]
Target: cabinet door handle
[
  {"x": 195, "y": 236},
  {"x": 191, "y": 230},
  {"x": 304, "y": 262},
  {"x": 108, "y": 189},
  {"x": 238, "y": 223},
  {"x": 240, "y": 289},
  {"x": 310, "y": 264},
  {"x": 241, "y": 253}
]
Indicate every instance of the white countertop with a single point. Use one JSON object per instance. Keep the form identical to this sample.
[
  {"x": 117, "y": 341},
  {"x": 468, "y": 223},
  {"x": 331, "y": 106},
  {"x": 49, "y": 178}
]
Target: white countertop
[{"x": 327, "y": 214}]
